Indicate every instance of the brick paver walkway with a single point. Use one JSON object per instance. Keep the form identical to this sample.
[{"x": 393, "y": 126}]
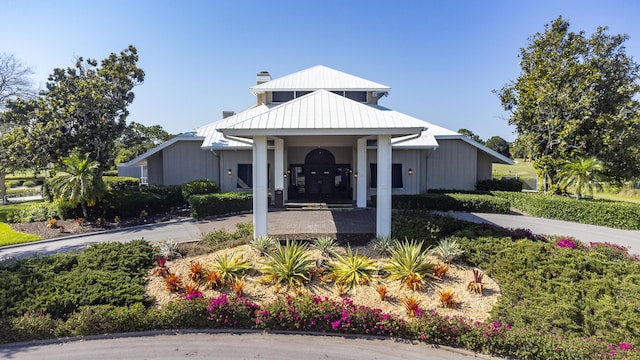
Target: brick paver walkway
[{"x": 305, "y": 224}]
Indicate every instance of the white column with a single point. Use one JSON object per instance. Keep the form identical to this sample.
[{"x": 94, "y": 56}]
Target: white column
[
  {"x": 361, "y": 170},
  {"x": 383, "y": 205},
  {"x": 260, "y": 188},
  {"x": 278, "y": 180}
]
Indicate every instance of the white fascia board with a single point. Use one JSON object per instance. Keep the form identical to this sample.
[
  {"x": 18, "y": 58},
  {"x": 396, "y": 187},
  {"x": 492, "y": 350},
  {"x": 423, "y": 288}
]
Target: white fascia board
[{"x": 249, "y": 133}]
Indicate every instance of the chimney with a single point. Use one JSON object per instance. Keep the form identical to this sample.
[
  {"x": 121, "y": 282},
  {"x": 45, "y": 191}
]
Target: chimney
[
  {"x": 263, "y": 77},
  {"x": 226, "y": 114}
]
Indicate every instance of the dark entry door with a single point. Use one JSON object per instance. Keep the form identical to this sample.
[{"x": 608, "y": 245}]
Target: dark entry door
[{"x": 319, "y": 169}]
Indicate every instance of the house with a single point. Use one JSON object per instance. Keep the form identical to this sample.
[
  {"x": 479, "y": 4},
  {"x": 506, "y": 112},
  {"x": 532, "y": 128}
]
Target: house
[{"x": 319, "y": 135}]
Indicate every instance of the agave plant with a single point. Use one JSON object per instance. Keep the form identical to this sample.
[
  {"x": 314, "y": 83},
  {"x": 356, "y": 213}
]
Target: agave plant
[
  {"x": 229, "y": 267},
  {"x": 326, "y": 244},
  {"x": 168, "y": 249},
  {"x": 384, "y": 244},
  {"x": 409, "y": 264},
  {"x": 289, "y": 263},
  {"x": 263, "y": 244},
  {"x": 448, "y": 249},
  {"x": 352, "y": 269}
]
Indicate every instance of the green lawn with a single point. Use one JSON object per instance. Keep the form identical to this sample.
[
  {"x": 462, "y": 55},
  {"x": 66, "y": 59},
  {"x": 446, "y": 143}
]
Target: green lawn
[
  {"x": 8, "y": 236},
  {"x": 521, "y": 168}
]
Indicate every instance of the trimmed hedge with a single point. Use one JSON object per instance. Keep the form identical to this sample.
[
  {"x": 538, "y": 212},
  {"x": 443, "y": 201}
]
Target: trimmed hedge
[
  {"x": 120, "y": 182},
  {"x": 199, "y": 187},
  {"x": 500, "y": 185},
  {"x": 615, "y": 214},
  {"x": 219, "y": 204},
  {"x": 450, "y": 202}
]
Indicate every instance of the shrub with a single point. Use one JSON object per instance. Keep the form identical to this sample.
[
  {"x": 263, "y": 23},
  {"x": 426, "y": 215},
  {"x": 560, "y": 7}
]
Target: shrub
[
  {"x": 29, "y": 183},
  {"x": 33, "y": 325},
  {"x": 102, "y": 319},
  {"x": 409, "y": 264},
  {"x": 289, "y": 263},
  {"x": 500, "y": 185},
  {"x": 116, "y": 183},
  {"x": 623, "y": 215},
  {"x": 229, "y": 267},
  {"x": 263, "y": 244},
  {"x": 108, "y": 273},
  {"x": 451, "y": 202},
  {"x": 199, "y": 187},
  {"x": 383, "y": 244},
  {"x": 220, "y": 204},
  {"x": 326, "y": 244},
  {"x": 448, "y": 249},
  {"x": 560, "y": 290},
  {"x": 353, "y": 269},
  {"x": 35, "y": 212}
]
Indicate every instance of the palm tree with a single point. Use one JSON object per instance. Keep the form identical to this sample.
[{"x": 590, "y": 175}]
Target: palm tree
[
  {"x": 580, "y": 173},
  {"x": 80, "y": 183}
]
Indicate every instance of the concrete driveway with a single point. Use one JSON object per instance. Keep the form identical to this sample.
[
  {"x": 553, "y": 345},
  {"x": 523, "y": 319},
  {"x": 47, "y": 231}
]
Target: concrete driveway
[{"x": 233, "y": 346}]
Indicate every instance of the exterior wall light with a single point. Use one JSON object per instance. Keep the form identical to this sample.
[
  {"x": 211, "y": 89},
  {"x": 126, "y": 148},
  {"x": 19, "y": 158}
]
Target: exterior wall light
[
  {"x": 410, "y": 171},
  {"x": 356, "y": 174},
  {"x": 229, "y": 172}
]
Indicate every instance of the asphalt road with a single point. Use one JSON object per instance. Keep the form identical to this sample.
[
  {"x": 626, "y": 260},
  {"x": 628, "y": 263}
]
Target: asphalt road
[{"x": 233, "y": 346}]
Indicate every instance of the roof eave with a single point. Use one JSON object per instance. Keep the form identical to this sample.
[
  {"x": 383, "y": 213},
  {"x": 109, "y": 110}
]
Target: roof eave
[{"x": 249, "y": 133}]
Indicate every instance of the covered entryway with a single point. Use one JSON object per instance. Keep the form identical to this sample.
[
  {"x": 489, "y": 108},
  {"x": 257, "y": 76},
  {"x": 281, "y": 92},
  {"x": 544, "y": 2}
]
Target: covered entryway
[
  {"x": 319, "y": 169},
  {"x": 320, "y": 178}
]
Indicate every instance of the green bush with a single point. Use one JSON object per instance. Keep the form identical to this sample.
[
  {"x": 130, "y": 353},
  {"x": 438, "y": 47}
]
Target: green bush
[
  {"x": 199, "y": 187},
  {"x": 616, "y": 214},
  {"x": 171, "y": 194},
  {"x": 116, "y": 183},
  {"x": 500, "y": 185},
  {"x": 29, "y": 183},
  {"x": 220, "y": 204},
  {"x": 561, "y": 290},
  {"x": 450, "y": 202},
  {"x": 108, "y": 273},
  {"x": 36, "y": 212},
  {"x": 102, "y": 319}
]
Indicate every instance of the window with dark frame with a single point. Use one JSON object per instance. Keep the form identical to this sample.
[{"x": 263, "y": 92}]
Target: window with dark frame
[
  {"x": 396, "y": 176},
  {"x": 281, "y": 96},
  {"x": 245, "y": 176}
]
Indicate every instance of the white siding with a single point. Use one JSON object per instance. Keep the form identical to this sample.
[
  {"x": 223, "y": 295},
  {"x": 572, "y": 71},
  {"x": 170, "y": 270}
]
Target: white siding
[
  {"x": 230, "y": 160},
  {"x": 453, "y": 166},
  {"x": 185, "y": 161},
  {"x": 485, "y": 166}
]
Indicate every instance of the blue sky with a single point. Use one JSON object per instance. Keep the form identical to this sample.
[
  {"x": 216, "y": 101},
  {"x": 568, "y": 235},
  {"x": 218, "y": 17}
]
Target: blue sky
[{"x": 442, "y": 59}]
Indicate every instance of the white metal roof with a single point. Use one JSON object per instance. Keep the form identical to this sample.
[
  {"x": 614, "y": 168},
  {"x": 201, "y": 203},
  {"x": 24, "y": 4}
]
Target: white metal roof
[
  {"x": 319, "y": 77},
  {"x": 324, "y": 113}
]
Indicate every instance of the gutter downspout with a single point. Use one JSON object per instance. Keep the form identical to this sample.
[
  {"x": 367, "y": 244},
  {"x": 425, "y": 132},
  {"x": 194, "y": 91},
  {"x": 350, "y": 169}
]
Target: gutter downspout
[{"x": 408, "y": 137}]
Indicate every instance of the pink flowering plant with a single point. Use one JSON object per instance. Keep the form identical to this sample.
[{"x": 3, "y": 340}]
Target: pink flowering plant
[
  {"x": 318, "y": 314},
  {"x": 231, "y": 312},
  {"x": 613, "y": 252}
]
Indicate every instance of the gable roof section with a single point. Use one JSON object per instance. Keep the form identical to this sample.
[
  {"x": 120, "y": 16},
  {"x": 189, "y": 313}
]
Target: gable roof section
[
  {"x": 319, "y": 77},
  {"x": 324, "y": 113},
  {"x": 195, "y": 135}
]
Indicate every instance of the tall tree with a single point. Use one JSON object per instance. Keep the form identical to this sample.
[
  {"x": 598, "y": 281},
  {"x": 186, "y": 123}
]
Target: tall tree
[
  {"x": 499, "y": 145},
  {"x": 14, "y": 83},
  {"x": 136, "y": 139},
  {"x": 80, "y": 183},
  {"x": 576, "y": 97},
  {"x": 471, "y": 135},
  {"x": 83, "y": 108},
  {"x": 14, "y": 79}
]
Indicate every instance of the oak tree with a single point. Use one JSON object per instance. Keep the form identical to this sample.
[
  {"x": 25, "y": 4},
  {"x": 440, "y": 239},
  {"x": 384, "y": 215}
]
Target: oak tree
[
  {"x": 576, "y": 97},
  {"x": 84, "y": 109}
]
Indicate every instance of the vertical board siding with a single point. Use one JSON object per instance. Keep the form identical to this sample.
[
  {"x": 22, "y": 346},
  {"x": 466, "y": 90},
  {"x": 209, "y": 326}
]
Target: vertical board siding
[
  {"x": 185, "y": 161},
  {"x": 485, "y": 166},
  {"x": 155, "y": 171},
  {"x": 453, "y": 166}
]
